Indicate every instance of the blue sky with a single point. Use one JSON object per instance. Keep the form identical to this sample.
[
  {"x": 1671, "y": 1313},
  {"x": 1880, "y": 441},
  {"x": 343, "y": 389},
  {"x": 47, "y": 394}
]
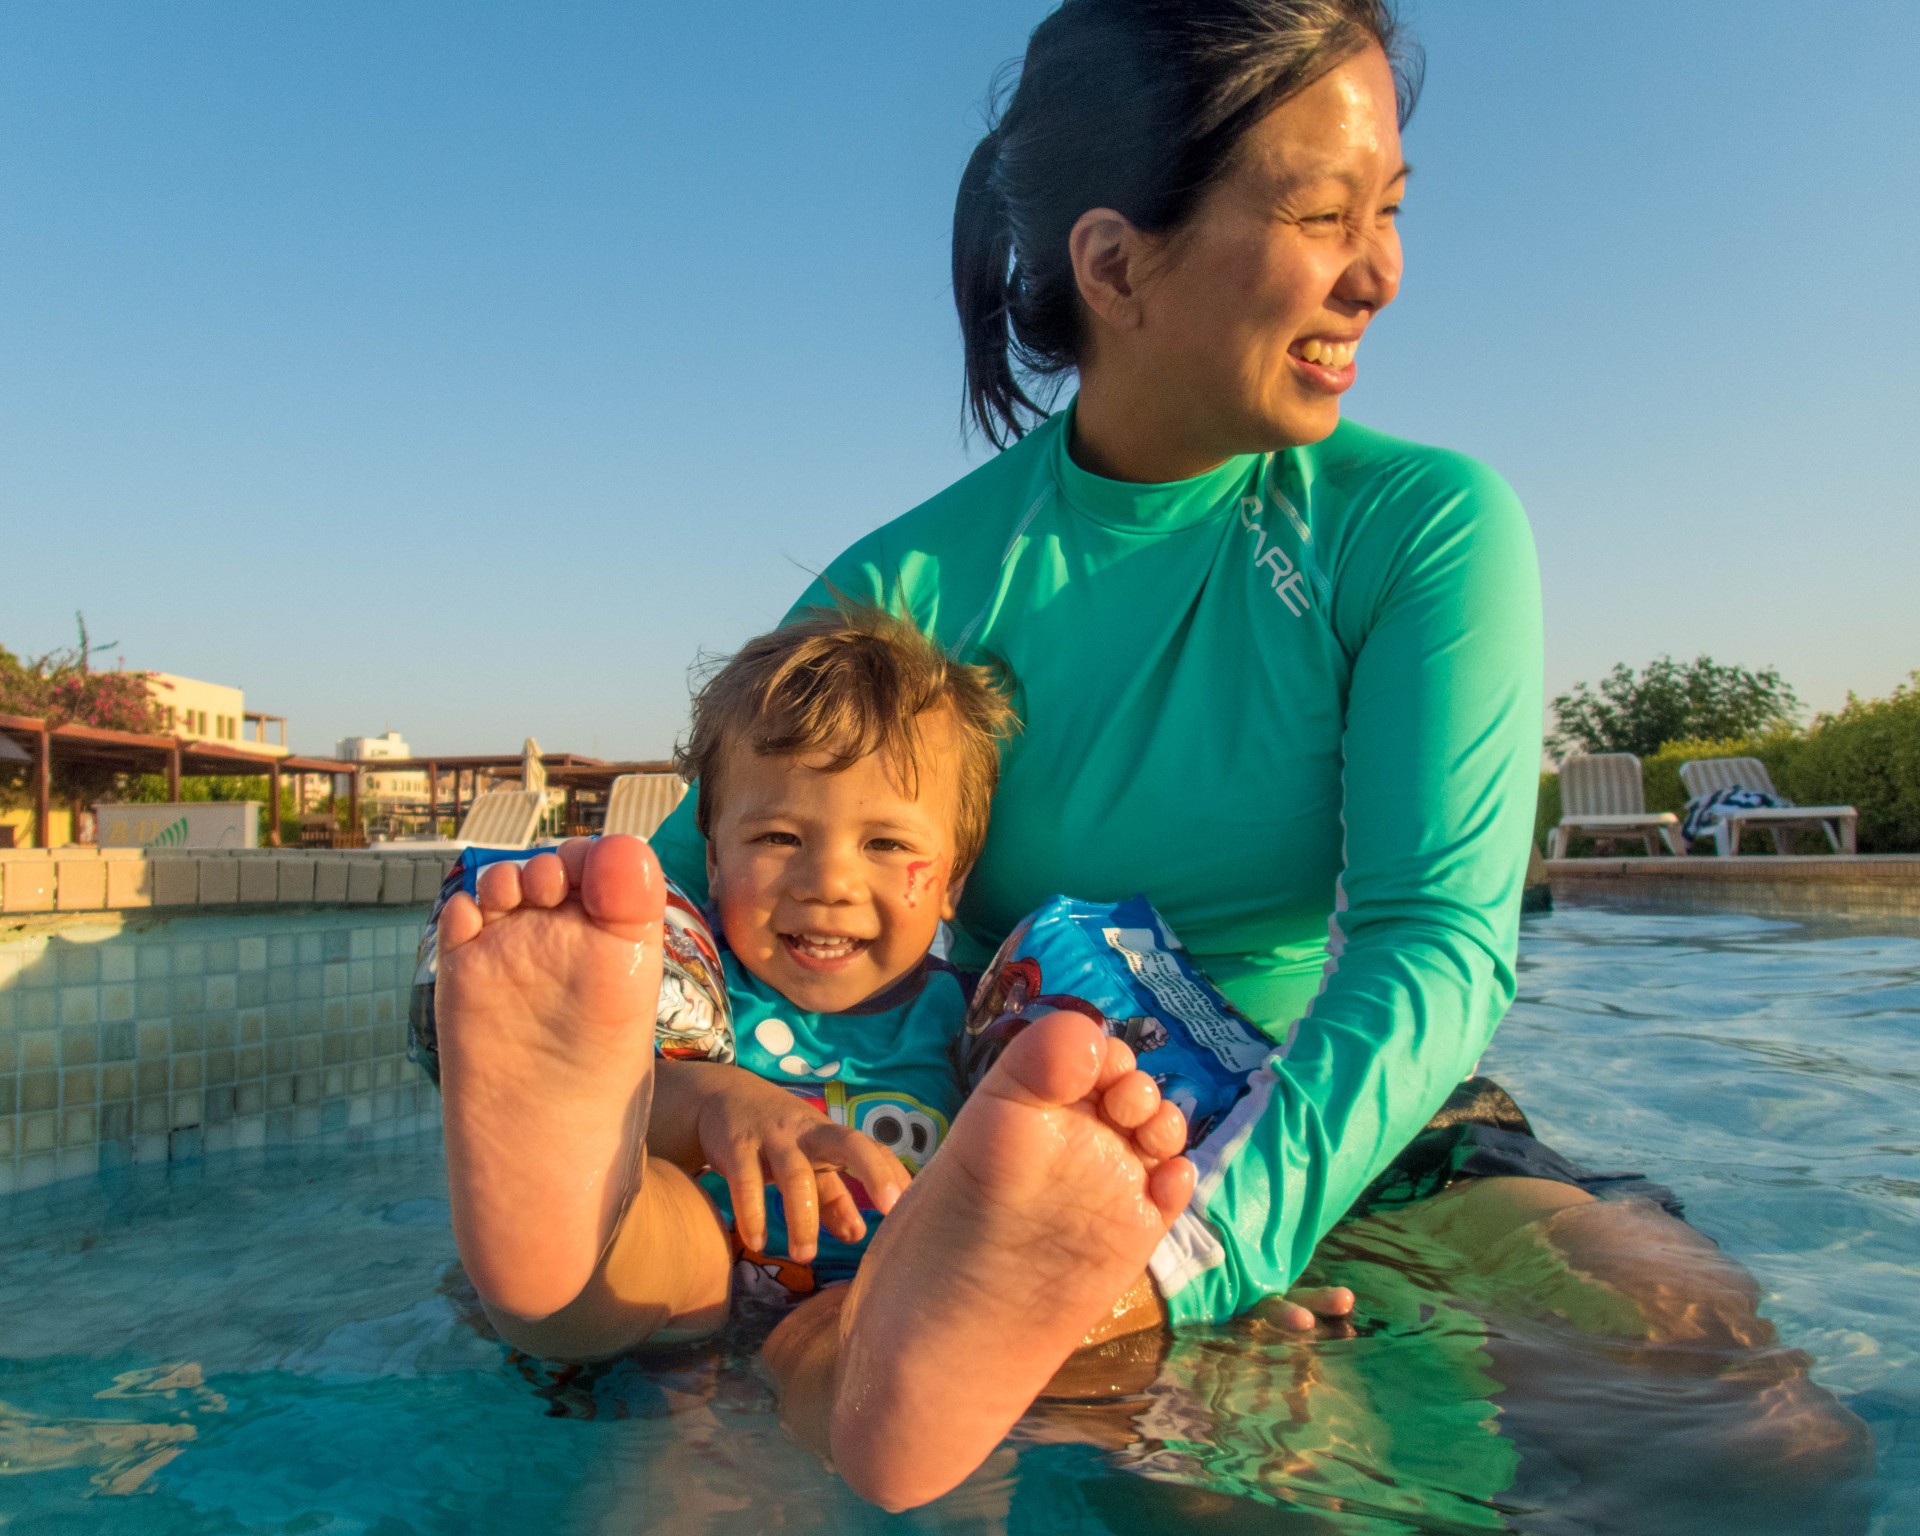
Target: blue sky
[{"x": 467, "y": 369}]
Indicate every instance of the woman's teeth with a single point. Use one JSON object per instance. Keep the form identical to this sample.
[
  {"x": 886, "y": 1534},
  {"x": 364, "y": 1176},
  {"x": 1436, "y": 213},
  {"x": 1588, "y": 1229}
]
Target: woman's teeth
[{"x": 1329, "y": 354}]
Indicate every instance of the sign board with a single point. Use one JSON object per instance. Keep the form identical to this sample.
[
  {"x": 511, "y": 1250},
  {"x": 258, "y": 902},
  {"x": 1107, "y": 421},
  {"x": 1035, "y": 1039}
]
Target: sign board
[{"x": 188, "y": 824}]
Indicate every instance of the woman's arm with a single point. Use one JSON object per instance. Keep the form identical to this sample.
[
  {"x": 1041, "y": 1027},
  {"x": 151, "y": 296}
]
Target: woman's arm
[{"x": 1442, "y": 751}]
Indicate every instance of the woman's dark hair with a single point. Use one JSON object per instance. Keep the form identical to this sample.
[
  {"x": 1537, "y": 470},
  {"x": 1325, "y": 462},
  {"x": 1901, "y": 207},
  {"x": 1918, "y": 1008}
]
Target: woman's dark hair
[{"x": 1134, "y": 105}]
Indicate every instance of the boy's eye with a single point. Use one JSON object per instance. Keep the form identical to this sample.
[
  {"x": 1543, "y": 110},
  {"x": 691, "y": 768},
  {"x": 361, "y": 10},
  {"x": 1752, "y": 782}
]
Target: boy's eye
[
  {"x": 888, "y": 845},
  {"x": 778, "y": 839}
]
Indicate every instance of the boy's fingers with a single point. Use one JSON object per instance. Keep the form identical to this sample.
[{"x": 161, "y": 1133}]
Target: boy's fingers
[
  {"x": 840, "y": 1146},
  {"x": 740, "y": 1167},
  {"x": 839, "y": 1211},
  {"x": 794, "y": 1174}
]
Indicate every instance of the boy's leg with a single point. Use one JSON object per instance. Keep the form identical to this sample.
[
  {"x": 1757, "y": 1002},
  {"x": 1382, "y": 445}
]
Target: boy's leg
[
  {"x": 1059, "y": 1177},
  {"x": 545, "y": 1001}
]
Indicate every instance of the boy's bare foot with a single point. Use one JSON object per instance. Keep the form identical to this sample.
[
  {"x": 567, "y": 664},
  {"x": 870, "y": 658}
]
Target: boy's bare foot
[
  {"x": 545, "y": 1001},
  {"x": 1060, "y": 1176}
]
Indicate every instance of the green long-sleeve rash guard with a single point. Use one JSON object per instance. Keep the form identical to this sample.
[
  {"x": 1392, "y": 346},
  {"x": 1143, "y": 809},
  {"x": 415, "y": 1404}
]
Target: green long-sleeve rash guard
[{"x": 1297, "y": 702}]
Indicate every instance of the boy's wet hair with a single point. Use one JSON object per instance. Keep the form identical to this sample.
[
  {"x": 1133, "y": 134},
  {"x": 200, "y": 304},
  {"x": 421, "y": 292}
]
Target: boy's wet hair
[{"x": 850, "y": 681}]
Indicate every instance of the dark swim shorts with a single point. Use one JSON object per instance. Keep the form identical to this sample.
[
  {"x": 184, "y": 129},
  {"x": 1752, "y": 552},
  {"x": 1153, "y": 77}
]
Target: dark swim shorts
[{"x": 1480, "y": 1133}]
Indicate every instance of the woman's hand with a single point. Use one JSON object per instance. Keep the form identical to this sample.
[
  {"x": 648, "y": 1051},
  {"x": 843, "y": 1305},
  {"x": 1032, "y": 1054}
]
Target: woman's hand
[
  {"x": 752, "y": 1133},
  {"x": 1305, "y": 1307}
]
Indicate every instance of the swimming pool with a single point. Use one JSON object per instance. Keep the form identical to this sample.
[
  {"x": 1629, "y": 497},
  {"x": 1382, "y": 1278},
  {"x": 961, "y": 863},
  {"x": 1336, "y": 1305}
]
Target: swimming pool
[{"x": 279, "y": 1340}]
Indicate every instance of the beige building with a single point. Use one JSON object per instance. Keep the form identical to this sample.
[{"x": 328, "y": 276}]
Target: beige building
[
  {"x": 201, "y": 711},
  {"x": 409, "y": 784}
]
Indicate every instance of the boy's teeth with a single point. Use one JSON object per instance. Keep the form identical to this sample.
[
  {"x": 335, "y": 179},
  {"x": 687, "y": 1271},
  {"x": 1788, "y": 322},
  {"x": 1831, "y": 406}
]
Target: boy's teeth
[
  {"x": 1329, "y": 354},
  {"x": 823, "y": 945}
]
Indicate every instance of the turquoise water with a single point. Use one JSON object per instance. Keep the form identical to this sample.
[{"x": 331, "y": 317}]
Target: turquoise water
[{"x": 283, "y": 1343}]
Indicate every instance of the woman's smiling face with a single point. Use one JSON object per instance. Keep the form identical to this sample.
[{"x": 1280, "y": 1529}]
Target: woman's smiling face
[{"x": 1252, "y": 312}]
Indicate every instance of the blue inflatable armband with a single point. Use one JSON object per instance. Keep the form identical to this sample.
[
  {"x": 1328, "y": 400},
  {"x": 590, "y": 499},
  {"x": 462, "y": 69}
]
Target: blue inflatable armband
[{"x": 1120, "y": 965}]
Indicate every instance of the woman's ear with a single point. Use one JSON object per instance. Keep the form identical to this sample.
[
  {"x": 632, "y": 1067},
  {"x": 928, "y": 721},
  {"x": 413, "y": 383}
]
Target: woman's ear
[{"x": 1109, "y": 257}]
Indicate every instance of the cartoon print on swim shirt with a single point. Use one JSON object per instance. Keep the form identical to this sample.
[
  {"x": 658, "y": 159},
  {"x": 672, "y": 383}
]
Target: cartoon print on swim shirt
[{"x": 902, "y": 1124}]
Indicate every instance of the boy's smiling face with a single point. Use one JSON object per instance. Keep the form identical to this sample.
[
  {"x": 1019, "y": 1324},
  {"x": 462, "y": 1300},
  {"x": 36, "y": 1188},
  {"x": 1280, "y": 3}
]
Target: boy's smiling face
[{"x": 832, "y": 885}]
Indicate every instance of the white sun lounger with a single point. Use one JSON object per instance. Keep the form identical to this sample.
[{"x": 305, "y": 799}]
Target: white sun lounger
[
  {"x": 1604, "y": 797},
  {"x": 639, "y": 802},
  {"x": 1705, "y": 775},
  {"x": 502, "y": 818}
]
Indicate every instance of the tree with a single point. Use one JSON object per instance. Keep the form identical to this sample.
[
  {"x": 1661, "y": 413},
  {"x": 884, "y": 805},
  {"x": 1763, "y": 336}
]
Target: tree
[
  {"x": 1670, "y": 701},
  {"x": 63, "y": 688}
]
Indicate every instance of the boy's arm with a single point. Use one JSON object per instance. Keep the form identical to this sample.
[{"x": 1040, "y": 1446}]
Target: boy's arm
[{"x": 680, "y": 1092}]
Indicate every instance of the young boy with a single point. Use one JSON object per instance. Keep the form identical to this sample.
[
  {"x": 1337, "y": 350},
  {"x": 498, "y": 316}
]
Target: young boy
[
  {"x": 846, "y": 767},
  {"x": 846, "y": 770}
]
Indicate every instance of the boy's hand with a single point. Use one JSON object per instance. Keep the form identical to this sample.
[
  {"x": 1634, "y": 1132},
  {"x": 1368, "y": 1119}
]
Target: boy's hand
[{"x": 753, "y": 1132}]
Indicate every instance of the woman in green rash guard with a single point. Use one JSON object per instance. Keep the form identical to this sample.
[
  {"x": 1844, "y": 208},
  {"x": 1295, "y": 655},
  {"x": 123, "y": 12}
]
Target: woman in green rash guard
[{"x": 1280, "y": 672}]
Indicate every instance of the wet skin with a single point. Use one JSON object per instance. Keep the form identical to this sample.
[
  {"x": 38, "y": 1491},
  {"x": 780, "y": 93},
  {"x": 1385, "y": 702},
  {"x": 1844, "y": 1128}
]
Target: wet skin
[{"x": 1057, "y": 1180}]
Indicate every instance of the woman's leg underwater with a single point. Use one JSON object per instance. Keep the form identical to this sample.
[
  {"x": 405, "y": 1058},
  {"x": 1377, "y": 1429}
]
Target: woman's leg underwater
[{"x": 1633, "y": 1350}]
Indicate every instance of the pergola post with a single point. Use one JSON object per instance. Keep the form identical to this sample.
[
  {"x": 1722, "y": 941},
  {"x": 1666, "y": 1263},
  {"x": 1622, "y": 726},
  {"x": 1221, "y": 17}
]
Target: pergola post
[
  {"x": 433, "y": 797},
  {"x": 353, "y": 806},
  {"x": 273, "y": 804},
  {"x": 173, "y": 771},
  {"x": 572, "y": 811},
  {"x": 456, "y": 802},
  {"x": 43, "y": 788}
]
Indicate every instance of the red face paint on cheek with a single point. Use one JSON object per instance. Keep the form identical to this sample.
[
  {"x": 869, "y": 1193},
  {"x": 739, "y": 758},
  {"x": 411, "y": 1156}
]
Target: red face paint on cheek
[{"x": 913, "y": 877}]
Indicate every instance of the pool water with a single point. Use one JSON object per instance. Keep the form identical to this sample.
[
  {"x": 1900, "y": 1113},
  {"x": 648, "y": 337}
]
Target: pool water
[{"x": 282, "y": 1342}]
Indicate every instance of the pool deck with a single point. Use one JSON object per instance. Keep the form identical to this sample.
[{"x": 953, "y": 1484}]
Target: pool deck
[
  {"x": 1883, "y": 884},
  {"x": 80, "y": 879}
]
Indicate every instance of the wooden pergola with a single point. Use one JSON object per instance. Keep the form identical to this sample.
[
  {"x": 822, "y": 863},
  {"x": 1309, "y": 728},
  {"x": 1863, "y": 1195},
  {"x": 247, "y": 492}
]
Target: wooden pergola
[
  {"x": 177, "y": 757},
  {"x": 565, "y": 770}
]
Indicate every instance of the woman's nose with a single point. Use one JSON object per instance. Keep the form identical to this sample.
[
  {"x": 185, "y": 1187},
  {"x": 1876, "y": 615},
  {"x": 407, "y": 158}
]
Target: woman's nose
[{"x": 1372, "y": 278}]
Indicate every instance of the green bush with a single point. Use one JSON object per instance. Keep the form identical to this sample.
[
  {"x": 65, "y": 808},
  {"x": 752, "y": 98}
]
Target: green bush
[
  {"x": 1547, "y": 817},
  {"x": 1866, "y": 756}
]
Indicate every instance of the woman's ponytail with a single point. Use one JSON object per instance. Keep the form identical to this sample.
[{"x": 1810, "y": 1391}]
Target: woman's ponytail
[{"x": 984, "y": 281}]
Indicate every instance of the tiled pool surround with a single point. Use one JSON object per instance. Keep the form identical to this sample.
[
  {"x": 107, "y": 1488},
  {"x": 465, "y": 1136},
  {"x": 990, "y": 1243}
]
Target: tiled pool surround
[
  {"x": 1884, "y": 885},
  {"x": 128, "y": 879},
  {"x": 152, "y": 1037}
]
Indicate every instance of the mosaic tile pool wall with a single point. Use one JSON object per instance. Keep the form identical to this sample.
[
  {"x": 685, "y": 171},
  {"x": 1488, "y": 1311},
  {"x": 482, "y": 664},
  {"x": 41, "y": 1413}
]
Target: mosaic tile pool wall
[{"x": 136, "y": 1038}]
